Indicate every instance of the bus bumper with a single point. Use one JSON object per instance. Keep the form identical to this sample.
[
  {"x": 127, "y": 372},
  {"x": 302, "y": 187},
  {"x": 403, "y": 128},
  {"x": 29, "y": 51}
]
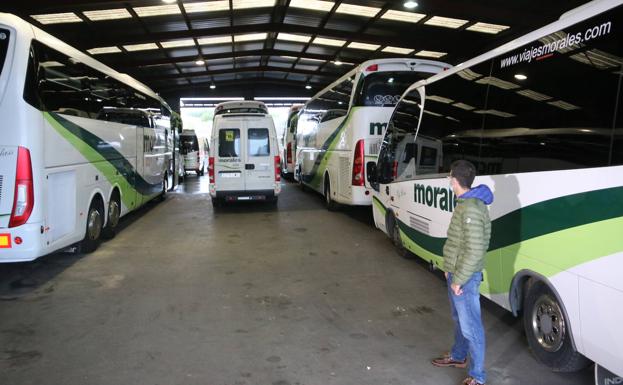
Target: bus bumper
[{"x": 30, "y": 248}]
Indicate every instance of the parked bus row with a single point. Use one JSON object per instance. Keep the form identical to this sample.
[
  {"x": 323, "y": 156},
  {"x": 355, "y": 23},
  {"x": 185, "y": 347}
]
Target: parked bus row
[{"x": 542, "y": 119}]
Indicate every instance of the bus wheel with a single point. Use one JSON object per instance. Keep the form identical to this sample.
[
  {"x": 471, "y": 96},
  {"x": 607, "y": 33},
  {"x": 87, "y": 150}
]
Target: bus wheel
[
  {"x": 547, "y": 331},
  {"x": 114, "y": 212},
  {"x": 95, "y": 222},
  {"x": 397, "y": 240},
  {"x": 330, "y": 204}
]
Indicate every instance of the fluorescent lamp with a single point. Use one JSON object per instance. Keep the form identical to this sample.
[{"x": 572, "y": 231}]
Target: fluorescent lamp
[
  {"x": 357, "y": 10},
  {"x": 245, "y": 4},
  {"x": 487, "y": 28},
  {"x": 101, "y": 50},
  {"x": 337, "y": 63},
  {"x": 207, "y": 6},
  {"x": 563, "y": 105},
  {"x": 158, "y": 10},
  {"x": 314, "y": 5},
  {"x": 308, "y": 87},
  {"x": 539, "y": 97},
  {"x": 169, "y": 1},
  {"x": 212, "y": 86},
  {"x": 214, "y": 40},
  {"x": 108, "y": 14},
  {"x": 520, "y": 77},
  {"x": 331, "y": 42},
  {"x": 410, "y": 4},
  {"x": 468, "y": 74},
  {"x": 366, "y": 46},
  {"x": 200, "y": 62},
  {"x": 493, "y": 112},
  {"x": 291, "y": 37},
  {"x": 499, "y": 83},
  {"x": 446, "y": 22},
  {"x": 289, "y": 57},
  {"x": 439, "y": 99},
  {"x": 57, "y": 18},
  {"x": 177, "y": 43},
  {"x": 464, "y": 106},
  {"x": 140, "y": 47},
  {"x": 434, "y": 54},
  {"x": 280, "y": 98},
  {"x": 250, "y": 37},
  {"x": 409, "y": 17},
  {"x": 398, "y": 50},
  {"x": 314, "y": 60}
]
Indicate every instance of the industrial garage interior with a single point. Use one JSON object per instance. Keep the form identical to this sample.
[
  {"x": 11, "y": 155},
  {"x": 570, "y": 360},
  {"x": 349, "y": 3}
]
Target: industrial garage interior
[{"x": 137, "y": 264}]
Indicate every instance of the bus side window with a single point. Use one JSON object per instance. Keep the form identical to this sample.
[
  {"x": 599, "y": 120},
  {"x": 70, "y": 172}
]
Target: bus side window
[{"x": 564, "y": 102}]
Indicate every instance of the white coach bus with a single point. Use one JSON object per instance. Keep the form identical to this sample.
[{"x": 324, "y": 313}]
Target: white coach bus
[
  {"x": 341, "y": 127},
  {"x": 80, "y": 145},
  {"x": 542, "y": 119}
]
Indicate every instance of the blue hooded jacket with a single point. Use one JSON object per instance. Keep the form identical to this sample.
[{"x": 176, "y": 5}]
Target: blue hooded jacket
[{"x": 482, "y": 192}]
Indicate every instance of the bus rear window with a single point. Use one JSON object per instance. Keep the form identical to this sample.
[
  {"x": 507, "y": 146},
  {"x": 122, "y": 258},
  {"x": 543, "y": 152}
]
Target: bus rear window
[
  {"x": 188, "y": 144},
  {"x": 383, "y": 89},
  {"x": 229, "y": 143},
  {"x": 4, "y": 46},
  {"x": 241, "y": 110}
]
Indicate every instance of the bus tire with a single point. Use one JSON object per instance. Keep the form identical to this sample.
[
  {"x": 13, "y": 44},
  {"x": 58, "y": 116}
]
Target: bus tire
[
  {"x": 547, "y": 331},
  {"x": 114, "y": 213},
  {"x": 329, "y": 203},
  {"x": 396, "y": 239},
  {"x": 95, "y": 223}
]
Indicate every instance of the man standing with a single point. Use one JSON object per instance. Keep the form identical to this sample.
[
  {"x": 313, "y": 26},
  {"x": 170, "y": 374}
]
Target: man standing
[{"x": 464, "y": 257}]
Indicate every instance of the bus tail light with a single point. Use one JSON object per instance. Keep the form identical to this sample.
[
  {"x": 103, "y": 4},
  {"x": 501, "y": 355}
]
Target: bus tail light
[
  {"x": 24, "y": 197},
  {"x": 358, "y": 163},
  {"x": 277, "y": 168},
  {"x": 211, "y": 169},
  {"x": 289, "y": 153},
  {"x": 372, "y": 68}
]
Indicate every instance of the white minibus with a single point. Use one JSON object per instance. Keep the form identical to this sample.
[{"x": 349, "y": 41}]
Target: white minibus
[
  {"x": 244, "y": 162},
  {"x": 194, "y": 151},
  {"x": 542, "y": 119},
  {"x": 341, "y": 127}
]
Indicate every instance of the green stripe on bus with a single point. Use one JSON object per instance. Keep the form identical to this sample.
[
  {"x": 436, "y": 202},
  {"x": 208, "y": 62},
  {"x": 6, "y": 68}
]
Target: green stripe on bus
[
  {"x": 129, "y": 195},
  {"x": 556, "y": 251},
  {"x": 320, "y": 164}
]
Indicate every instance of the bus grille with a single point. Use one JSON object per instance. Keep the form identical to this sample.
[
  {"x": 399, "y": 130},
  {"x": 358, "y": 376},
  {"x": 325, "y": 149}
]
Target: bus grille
[
  {"x": 419, "y": 225},
  {"x": 345, "y": 177}
]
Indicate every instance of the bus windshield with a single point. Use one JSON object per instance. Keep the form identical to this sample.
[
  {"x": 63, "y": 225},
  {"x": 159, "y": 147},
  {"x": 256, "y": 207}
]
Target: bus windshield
[
  {"x": 383, "y": 89},
  {"x": 4, "y": 46}
]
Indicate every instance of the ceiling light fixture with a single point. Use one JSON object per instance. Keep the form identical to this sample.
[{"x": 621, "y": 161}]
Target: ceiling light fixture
[
  {"x": 410, "y": 4},
  {"x": 108, "y": 14},
  {"x": 357, "y": 10},
  {"x": 520, "y": 77},
  {"x": 446, "y": 22},
  {"x": 410, "y": 17},
  {"x": 212, "y": 86},
  {"x": 308, "y": 87},
  {"x": 57, "y": 18},
  {"x": 366, "y": 46},
  {"x": 315, "y": 5},
  {"x": 398, "y": 50},
  {"x": 200, "y": 62},
  {"x": 338, "y": 63},
  {"x": 169, "y": 1}
]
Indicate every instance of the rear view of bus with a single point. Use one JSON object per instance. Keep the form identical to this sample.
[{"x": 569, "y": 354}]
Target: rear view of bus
[{"x": 340, "y": 128}]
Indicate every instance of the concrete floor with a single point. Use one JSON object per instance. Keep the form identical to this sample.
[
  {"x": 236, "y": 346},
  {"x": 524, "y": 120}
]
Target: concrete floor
[{"x": 245, "y": 295}]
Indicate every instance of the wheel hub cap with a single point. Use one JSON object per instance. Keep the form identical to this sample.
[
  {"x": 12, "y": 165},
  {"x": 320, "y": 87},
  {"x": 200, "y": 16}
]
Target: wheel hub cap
[
  {"x": 548, "y": 324},
  {"x": 94, "y": 224}
]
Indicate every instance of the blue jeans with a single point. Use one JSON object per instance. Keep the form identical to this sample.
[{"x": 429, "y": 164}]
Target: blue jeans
[{"x": 469, "y": 334}]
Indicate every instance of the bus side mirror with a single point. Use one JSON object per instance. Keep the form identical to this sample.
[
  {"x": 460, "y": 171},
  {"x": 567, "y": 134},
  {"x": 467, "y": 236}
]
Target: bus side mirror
[{"x": 371, "y": 172}]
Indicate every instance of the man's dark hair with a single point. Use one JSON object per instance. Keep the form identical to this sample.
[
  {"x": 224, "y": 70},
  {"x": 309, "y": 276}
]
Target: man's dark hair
[{"x": 464, "y": 172}]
